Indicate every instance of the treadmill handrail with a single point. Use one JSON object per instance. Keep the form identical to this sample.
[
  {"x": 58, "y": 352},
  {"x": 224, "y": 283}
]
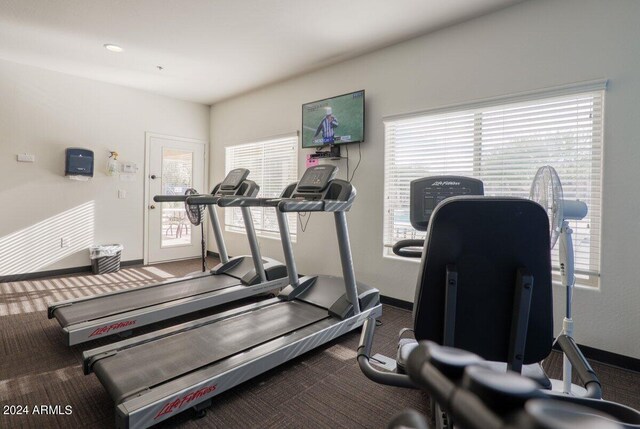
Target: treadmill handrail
[
  {"x": 203, "y": 200},
  {"x": 282, "y": 204},
  {"x": 240, "y": 201},
  {"x": 287, "y": 204},
  {"x": 170, "y": 198},
  {"x": 301, "y": 205},
  {"x": 325, "y": 205}
]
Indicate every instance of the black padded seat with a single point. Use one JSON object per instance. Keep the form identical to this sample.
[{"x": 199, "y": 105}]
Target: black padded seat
[{"x": 488, "y": 240}]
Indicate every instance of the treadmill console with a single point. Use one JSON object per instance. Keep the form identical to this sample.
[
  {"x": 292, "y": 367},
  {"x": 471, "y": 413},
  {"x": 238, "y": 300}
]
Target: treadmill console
[
  {"x": 234, "y": 179},
  {"x": 427, "y": 192},
  {"x": 316, "y": 178}
]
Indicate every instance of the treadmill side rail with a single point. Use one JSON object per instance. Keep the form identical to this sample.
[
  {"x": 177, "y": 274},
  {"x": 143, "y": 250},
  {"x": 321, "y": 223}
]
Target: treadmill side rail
[
  {"x": 164, "y": 401},
  {"x": 125, "y": 321},
  {"x": 51, "y": 310},
  {"x": 87, "y": 364},
  {"x": 52, "y": 307},
  {"x": 223, "y": 267},
  {"x": 88, "y": 356}
]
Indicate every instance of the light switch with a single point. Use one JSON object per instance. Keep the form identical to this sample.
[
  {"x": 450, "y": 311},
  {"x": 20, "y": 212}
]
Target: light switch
[
  {"x": 26, "y": 157},
  {"x": 122, "y": 194}
]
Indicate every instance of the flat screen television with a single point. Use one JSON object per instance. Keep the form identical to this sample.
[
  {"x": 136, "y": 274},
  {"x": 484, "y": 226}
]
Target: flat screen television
[{"x": 333, "y": 121}]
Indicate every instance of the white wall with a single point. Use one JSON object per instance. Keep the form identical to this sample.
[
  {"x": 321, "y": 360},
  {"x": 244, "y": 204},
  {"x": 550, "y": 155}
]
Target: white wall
[
  {"x": 42, "y": 113},
  {"x": 532, "y": 45}
]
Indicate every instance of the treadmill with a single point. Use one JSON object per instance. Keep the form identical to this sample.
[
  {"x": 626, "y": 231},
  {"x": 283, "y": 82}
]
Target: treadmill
[
  {"x": 155, "y": 376},
  {"x": 98, "y": 316}
]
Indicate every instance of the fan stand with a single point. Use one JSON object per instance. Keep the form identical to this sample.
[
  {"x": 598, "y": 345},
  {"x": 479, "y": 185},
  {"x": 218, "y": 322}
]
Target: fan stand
[
  {"x": 203, "y": 247},
  {"x": 567, "y": 276},
  {"x": 568, "y": 280},
  {"x": 564, "y": 210},
  {"x": 196, "y": 217}
]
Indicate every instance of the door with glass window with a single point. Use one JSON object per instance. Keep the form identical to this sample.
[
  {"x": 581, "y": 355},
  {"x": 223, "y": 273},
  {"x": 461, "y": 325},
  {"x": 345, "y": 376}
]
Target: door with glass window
[{"x": 174, "y": 166}]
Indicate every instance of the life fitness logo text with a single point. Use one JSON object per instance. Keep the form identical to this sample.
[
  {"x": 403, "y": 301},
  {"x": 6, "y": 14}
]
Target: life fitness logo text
[
  {"x": 446, "y": 183},
  {"x": 172, "y": 406},
  {"x": 112, "y": 327}
]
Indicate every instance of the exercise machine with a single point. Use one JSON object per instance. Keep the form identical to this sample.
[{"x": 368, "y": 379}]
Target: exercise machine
[
  {"x": 484, "y": 279},
  {"x": 476, "y": 396},
  {"x": 424, "y": 196},
  {"x": 155, "y": 376},
  {"x": 103, "y": 315}
]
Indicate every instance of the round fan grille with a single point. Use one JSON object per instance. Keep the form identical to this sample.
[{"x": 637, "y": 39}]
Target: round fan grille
[
  {"x": 546, "y": 190},
  {"x": 195, "y": 214}
]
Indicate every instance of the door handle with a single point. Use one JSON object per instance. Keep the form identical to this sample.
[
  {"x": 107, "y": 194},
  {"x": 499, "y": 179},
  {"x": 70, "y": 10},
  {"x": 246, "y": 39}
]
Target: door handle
[
  {"x": 152, "y": 206},
  {"x": 153, "y": 177}
]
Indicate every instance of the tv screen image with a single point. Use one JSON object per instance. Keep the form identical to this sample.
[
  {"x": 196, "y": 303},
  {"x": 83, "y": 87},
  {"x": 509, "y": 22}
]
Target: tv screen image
[{"x": 332, "y": 121}]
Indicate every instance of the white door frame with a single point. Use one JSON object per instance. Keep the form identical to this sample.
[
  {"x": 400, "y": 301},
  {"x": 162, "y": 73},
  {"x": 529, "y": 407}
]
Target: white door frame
[{"x": 147, "y": 150}]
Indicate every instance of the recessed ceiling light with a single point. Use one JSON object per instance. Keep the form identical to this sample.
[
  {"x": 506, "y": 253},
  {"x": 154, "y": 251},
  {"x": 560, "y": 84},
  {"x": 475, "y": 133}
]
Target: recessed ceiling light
[{"x": 113, "y": 48}]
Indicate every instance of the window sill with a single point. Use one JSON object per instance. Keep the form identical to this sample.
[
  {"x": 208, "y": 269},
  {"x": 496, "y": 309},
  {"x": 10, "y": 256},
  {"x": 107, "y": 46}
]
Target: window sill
[{"x": 401, "y": 258}]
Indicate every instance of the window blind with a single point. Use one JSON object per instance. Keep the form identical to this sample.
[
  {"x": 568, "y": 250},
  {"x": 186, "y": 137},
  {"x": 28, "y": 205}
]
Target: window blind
[
  {"x": 273, "y": 164},
  {"x": 503, "y": 145}
]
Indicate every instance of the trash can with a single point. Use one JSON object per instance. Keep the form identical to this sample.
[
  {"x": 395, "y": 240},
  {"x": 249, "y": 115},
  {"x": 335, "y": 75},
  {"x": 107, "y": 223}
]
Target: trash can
[{"x": 105, "y": 258}]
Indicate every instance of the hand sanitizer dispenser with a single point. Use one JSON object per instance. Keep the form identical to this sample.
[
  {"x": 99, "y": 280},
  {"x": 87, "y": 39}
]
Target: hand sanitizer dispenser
[{"x": 78, "y": 164}]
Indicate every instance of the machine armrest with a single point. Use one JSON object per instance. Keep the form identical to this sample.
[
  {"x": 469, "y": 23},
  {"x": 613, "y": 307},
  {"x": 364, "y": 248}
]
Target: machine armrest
[
  {"x": 401, "y": 248},
  {"x": 202, "y": 200},
  {"x": 170, "y": 198},
  {"x": 586, "y": 374}
]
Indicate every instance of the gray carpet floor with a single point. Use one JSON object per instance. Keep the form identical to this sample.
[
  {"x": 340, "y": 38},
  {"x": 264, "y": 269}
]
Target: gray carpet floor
[{"x": 321, "y": 389}]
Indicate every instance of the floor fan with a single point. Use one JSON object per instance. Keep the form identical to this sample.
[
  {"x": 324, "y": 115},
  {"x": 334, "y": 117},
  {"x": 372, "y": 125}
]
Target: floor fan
[
  {"x": 195, "y": 214},
  {"x": 546, "y": 190}
]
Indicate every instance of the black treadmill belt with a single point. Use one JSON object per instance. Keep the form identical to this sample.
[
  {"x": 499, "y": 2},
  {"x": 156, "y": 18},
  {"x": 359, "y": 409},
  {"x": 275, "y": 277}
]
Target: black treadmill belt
[
  {"x": 153, "y": 363},
  {"x": 139, "y": 298}
]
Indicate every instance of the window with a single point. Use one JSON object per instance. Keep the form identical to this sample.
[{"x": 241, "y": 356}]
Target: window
[
  {"x": 503, "y": 144},
  {"x": 274, "y": 165}
]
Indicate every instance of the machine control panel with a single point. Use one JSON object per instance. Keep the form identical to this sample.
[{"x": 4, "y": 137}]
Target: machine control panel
[
  {"x": 316, "y": 178},
  {"x": 428, "y": 192},
  {"x": 234, "y": 179}
]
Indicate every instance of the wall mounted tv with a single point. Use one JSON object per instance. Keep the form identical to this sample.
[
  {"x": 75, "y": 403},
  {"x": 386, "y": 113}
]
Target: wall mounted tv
[{"x": 333, "y": 121}]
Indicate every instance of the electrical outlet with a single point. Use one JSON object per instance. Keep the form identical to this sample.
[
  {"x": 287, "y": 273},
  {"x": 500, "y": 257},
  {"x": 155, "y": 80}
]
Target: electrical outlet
[
  {"x": 64, "y": 242},
  {"x": 122, "y": 194},
  {"x": 26, "y": 157}
]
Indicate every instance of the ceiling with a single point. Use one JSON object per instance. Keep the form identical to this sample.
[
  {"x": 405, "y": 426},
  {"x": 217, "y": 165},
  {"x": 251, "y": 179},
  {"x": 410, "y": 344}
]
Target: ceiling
[{"x": 213, "y": 49}]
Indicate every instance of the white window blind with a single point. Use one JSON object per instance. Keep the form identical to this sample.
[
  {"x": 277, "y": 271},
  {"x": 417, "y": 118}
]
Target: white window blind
[
  {"x": 503, "y": 145},
  {"x": 273, "y": 165}
]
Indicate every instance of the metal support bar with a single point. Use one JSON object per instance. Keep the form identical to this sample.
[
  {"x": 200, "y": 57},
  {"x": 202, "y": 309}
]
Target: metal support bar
[
  {"x": 346, "y": 260},
  {"x": 287, "y": 248},
  {"x": 520, "y": 319},
  {"x": 217, "y": 234},
  {"x": 586, "y": 374},
  {"x": 253, "y": 244},
  {"x": 450, "y": 301},
  {"x": 364, "y": 352}
]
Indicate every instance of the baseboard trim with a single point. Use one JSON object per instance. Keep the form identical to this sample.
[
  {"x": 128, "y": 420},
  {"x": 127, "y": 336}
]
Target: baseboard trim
[
  {"x": 609, "y": 358},
  {"x": 60, "y": 272},
  {"x": 213, "y": 254},
  {"x": 395, "y": 302},
  {"x": 602, "y": 356},
  {"x": 132, "y": 262}
]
